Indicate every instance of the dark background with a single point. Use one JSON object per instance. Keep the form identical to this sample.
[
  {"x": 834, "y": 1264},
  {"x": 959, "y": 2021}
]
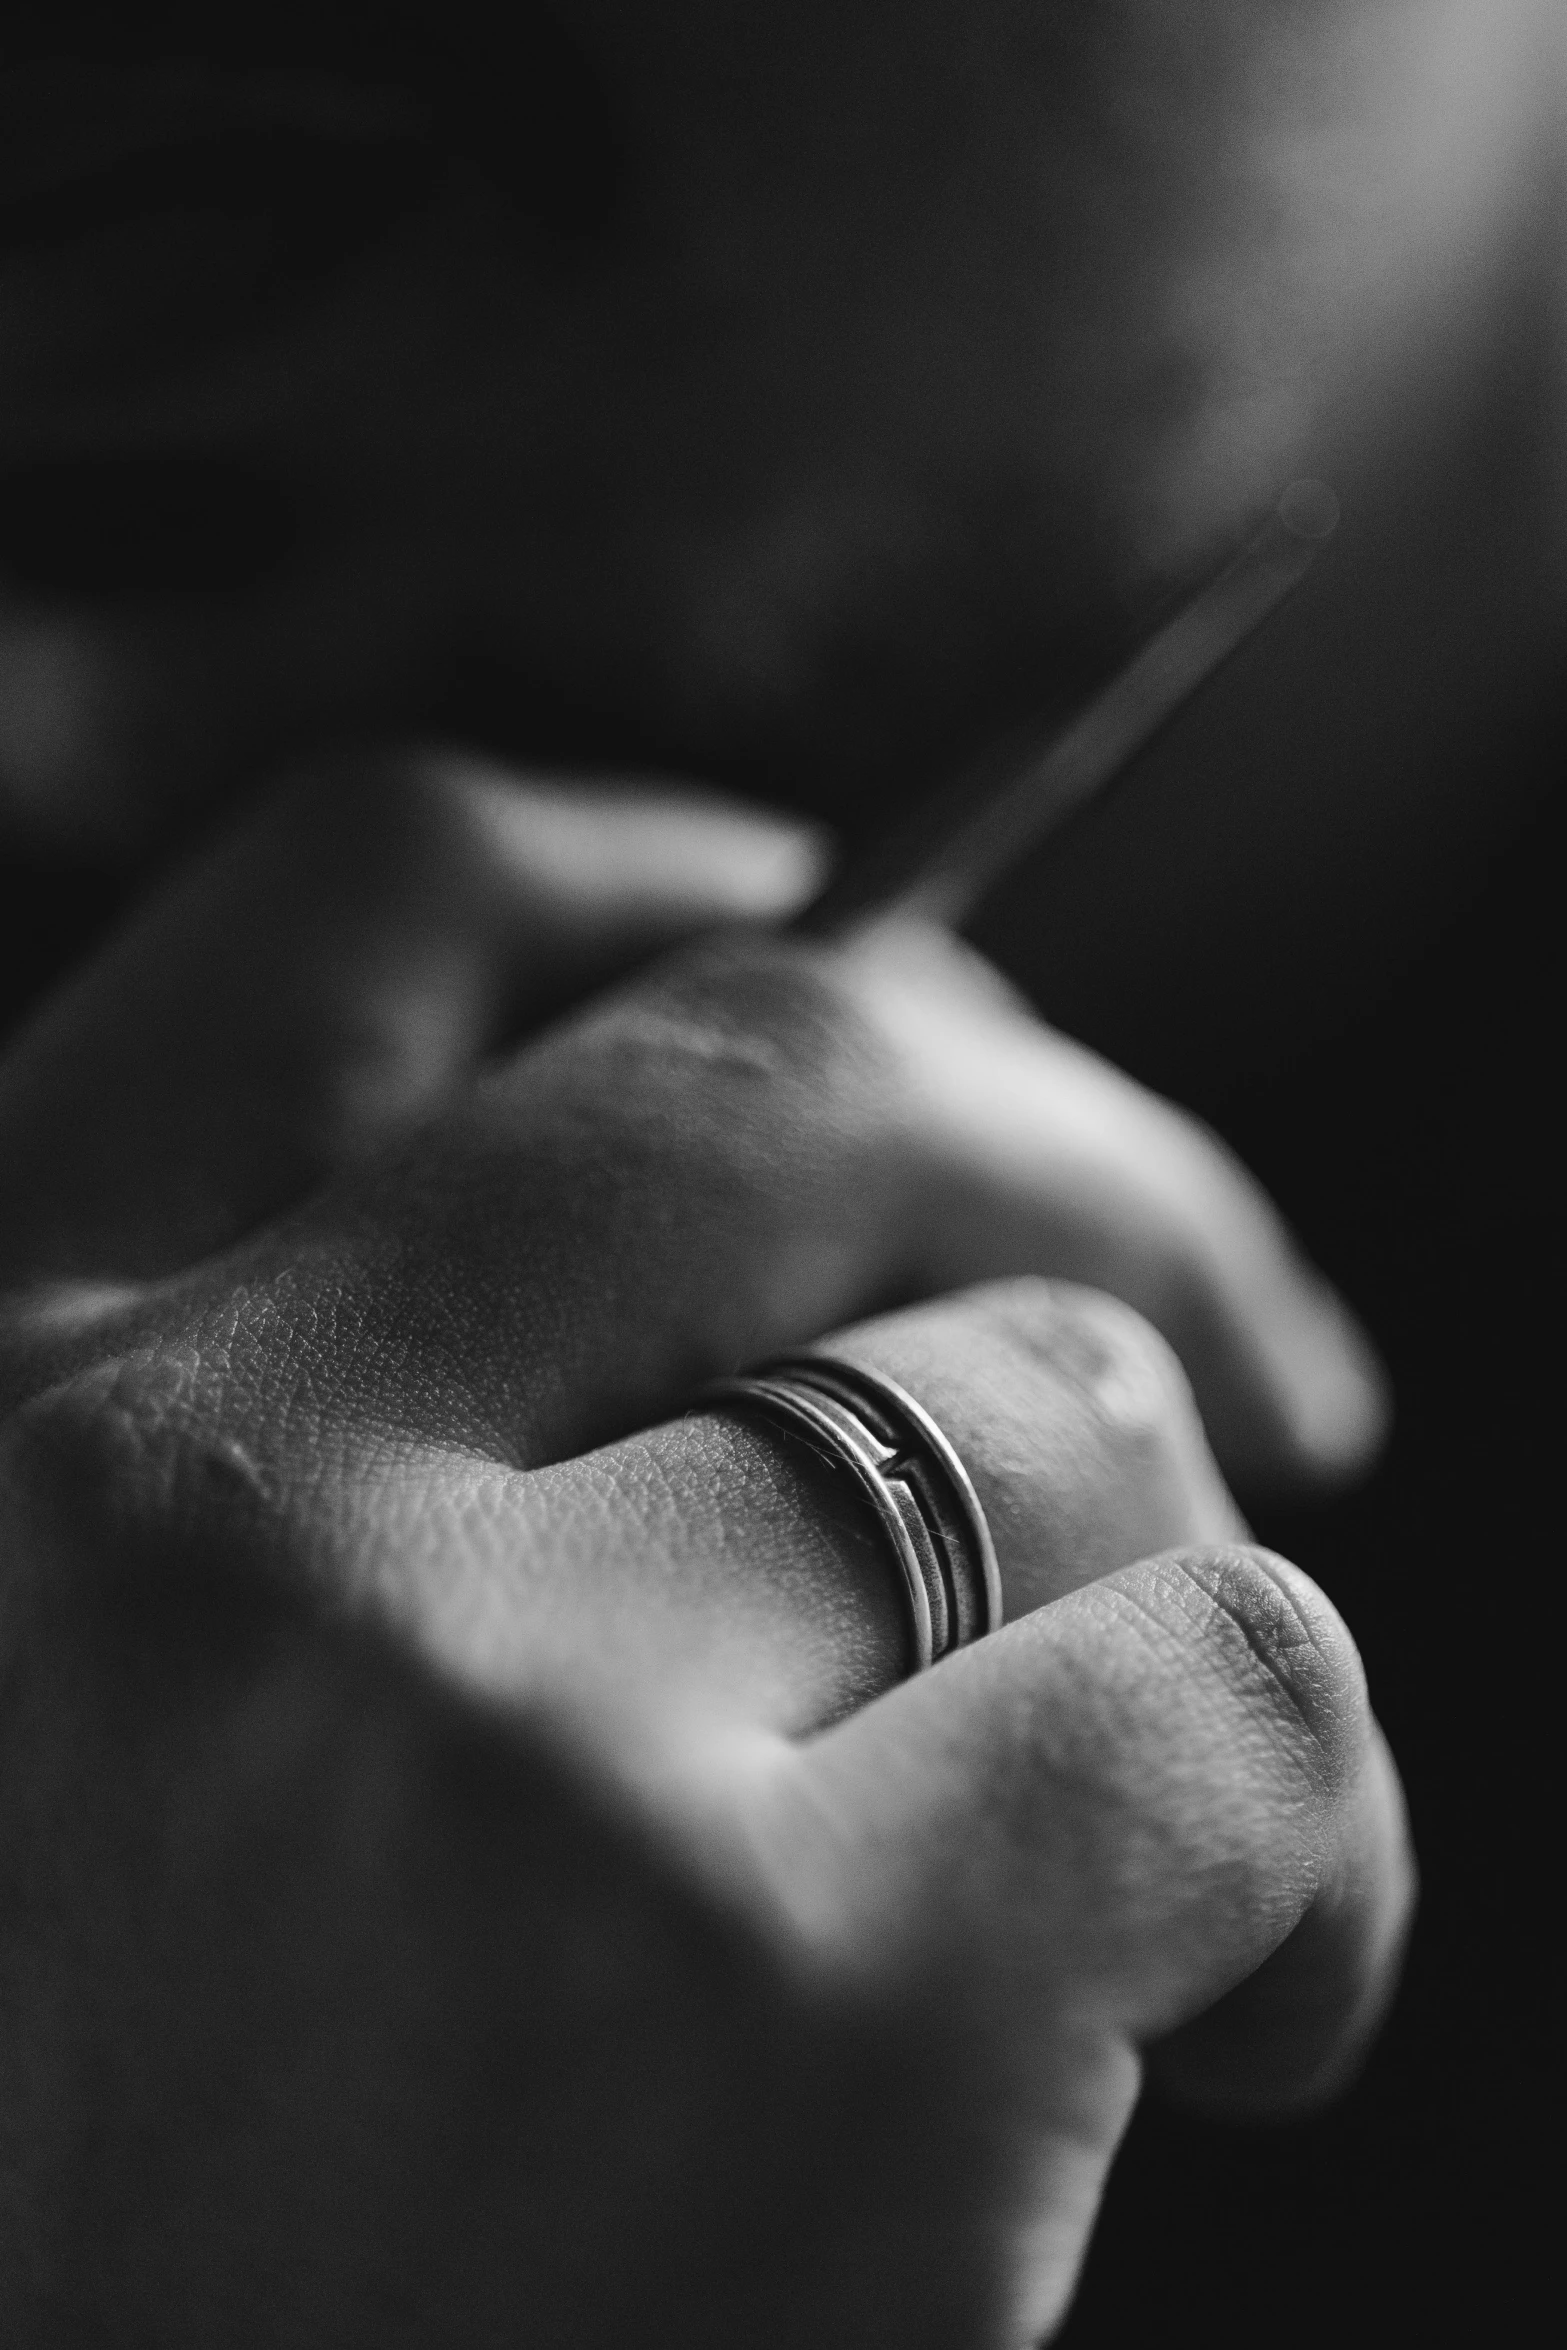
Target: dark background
[
  {"x": 1324, "y": 915},
  {"x": 1410, "y": 1135}
]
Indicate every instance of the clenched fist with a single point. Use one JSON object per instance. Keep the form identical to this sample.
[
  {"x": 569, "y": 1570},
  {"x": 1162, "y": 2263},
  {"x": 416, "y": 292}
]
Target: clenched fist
[{"x": 473, "y": 1869}]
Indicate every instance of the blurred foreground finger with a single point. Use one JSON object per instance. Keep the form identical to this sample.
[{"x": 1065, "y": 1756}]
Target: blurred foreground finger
[{"x": 331, "y": 970}]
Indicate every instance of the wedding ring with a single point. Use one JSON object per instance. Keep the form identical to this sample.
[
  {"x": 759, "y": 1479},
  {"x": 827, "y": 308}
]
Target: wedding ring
[{"x": 915, "y": 1483}]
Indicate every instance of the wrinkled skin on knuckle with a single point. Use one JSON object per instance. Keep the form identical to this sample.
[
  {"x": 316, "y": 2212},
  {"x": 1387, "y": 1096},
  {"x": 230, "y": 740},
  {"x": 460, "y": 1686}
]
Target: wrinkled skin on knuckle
[
  {"x": 1073, "y": 1418},
  {"x": 1118, "y": 1361},
  {"x": 749, "y": 1077},
  {"x": 737, "y": 1111},
  {"x": 128, "y": 1468},
  {"x": 719, "y": 1142},
  {"x": 723, "y": 1058},
  {"x": 1114, "y": 1464},
  {"x": 768, "y": 1009},
  {"x": 1206, "y": 1740},
  {"x": 1251, "y": 1753},
  {"x": 1291, "y": 2037},
  {"x": 1291, "y": 1663}
]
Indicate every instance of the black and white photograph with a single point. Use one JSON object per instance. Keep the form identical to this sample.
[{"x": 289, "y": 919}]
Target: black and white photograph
[{"x": 780, "y": 1299}]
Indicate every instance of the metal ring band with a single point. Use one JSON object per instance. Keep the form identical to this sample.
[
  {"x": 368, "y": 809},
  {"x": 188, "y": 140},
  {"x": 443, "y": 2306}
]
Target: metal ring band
[{"x": 911, "y": 1476}]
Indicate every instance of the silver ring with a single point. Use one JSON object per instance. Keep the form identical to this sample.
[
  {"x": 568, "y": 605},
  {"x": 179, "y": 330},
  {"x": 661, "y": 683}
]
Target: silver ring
[{"x": 913, "y": 1479}]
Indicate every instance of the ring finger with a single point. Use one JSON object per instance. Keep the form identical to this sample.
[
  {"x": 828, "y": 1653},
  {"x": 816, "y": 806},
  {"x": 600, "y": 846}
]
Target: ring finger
[{"x": 724, "y": 1550}]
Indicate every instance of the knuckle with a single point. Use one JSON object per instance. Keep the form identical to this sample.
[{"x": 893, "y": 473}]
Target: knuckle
[
  {"x": 1123, "y": 1372},
  {"x": 751, "y": 1014},
  {"x": 1074, "y": 1420},
  {"x": 1285, "y": 1651},
  {"x": 123, "y": 1450},
  {"x": 145, "y": 1525}
]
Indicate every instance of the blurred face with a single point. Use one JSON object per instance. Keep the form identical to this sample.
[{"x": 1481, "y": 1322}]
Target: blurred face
[{"x": 791, "y": 394}]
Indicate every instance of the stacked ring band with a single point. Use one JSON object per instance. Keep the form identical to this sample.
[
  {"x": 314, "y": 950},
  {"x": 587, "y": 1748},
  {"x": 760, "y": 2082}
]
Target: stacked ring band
[{"x": 908, "y": 1472}]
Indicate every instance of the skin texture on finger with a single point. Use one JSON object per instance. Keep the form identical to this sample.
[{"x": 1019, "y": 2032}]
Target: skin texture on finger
[
  {"x": 1188, "y": 1739},
  {"x": 713, "y": 1554},
  {"x": 1292, "y": 2037},
  {"x": 764, "y": 1139},
  {"x": 1074, "y": 1419},
  {"x": 758, "y": 1140},
  {"x": 332, "y": 971},
  {"x": 602, "y": 1222},
  {"x": 1096, "y": 1823},
  {"x": 747, "y": 1561},
  {"x": 337, "y": 2007},
  {"x": 1050, "y": 1849},
  {"x": 720, "y": 1554}
]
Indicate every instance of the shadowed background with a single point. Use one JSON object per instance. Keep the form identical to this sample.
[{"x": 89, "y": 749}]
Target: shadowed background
[{"x": 341, "y": 400}]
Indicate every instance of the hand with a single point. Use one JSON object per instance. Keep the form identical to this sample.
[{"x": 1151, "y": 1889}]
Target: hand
[{"x": 461, "y": 1931}]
